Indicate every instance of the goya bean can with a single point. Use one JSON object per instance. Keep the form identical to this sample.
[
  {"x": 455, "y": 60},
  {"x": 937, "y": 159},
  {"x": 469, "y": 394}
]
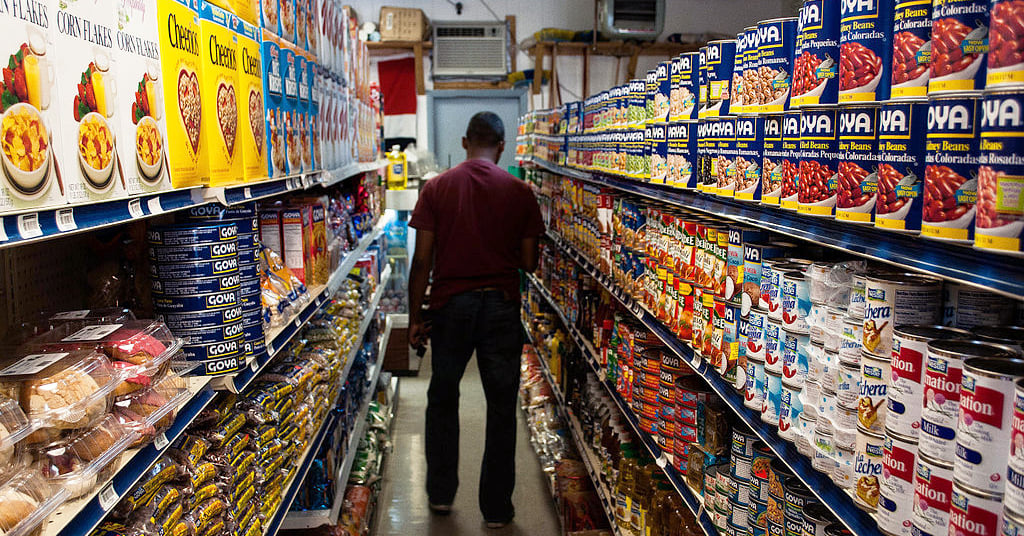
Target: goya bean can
[
  {"x": 790, "y": 170},
  {"x": 896, "y": 490},
  {"x": 984, "y": 428},
  {"x": 734, "y": 273},
  {"x": 738, "y": 90},
  {"x": 819, "y": 157},
  {"x": 911, "y": 31},
  {"x": 755, "y": 285},
  {"x": 776, "y": 46},
  {"x": 1006, "y": 45},
  {"x": 746, "y": 168},
  {"x": 205, "y": 252},
  {"x": 719, "y": 59},
  {"x": 724, "y": 132},
  {"x": 959, "y": 46},
  {"x": 702, "y": 82},
  {"x": 897, "y": 300},
  {"x": 973, "y": 513},
  {"x": 685, "y": 87},
  {"x": 816, "y": 66},
  {"x": 191, "y": 234},
  {"x": 951, "y": 161},
  {"x": 902, "y": 129},
  {"x": 1000, "y": 208},
  {"x": 906, "y": 390},
  {"x": 657, "y": 143},
  {"x": 682, "y": 155},
  {"x": 865, "y": 50},
  {"x": 857, "y": 184},
  {"x": 662, "y": 91},
  {"x": 772, "y": 155},
  {"x": 933, "y": 493}
]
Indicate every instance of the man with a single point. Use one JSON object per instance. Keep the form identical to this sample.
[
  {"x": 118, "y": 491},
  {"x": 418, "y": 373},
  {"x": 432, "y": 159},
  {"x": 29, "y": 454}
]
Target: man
[{"x": 476, "y": 227}]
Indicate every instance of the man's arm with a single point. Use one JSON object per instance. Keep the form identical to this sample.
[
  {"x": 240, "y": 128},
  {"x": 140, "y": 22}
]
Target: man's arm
[
  {"x": 419, "y": 275},
  {"x": 529, "y": 254}
]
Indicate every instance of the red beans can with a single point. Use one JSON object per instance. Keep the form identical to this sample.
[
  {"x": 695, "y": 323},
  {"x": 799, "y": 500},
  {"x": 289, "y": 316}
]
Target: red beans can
[
  {"x": 776, "y": 44},
  {"x": 789, "y": 171},
  {"x": 974, "y": 514},
  {"x": 858, "y": 158},
  {"x": 984, "y": 427},
  {"x": 704, "y": 150},
  {"x": 865, "y": 50},
  {"x": 906, "y": 391},
  {"x": 772, "y": 156},
  {"x": 819, "y": 156},
  {"x": 719, "y": 59},
  {"x": 959, "y": 45},
  {"x": 902, "y": 126},
  {"x": 999, "y": 223},
  {"x": 816, "y": 66},
  {"x": 911, "y": 30},
  {"x": 896, "y": 490},
  {"x": 951, "y": 161},
  {"x": 1006, "y": 44}
]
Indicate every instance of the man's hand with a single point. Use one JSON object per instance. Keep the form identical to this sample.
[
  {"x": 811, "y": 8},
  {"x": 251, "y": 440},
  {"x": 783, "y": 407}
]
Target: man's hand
[{"x": 419, "y": 333}]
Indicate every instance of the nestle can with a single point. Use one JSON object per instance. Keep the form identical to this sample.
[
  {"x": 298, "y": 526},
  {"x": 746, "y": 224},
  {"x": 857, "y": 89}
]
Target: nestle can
[
  {"x": 975, "y": 514},
  {"x": 1012, "y": 336},
  {"x": 897, "y": 300},
  {"x": 819, "y": 158},
  {"x": 845, "y": 432},
  {"x": 902, "y": 128},
  {"x": 834, "y": 318},
  {"x": 906, "y": 391},
  {"x": 896, "y": 491},
  {"x": 719, "y": 59},
  {"x": 776, "y": 46},
  {"x": 815, "y": 362},
  {"x": 789, "y": 173},
  {"x": 865, "y": 51},
  {"x": 774, "y": 340},
  {"x": 816, "y": 519},
  {"x": 682, "y": 155},
  {"x": 191, "y": 234},
  {"x": 805, "y": 436},
  {"x": 858, "y": 297},
  {"x": 966, "y": 307},
  {"x": 1013, "y": 523},
  {"x": 824, "y": 451},
  {"x": 1000, "y": 215},
  {"x": 959, "y": 46},
  {"x": 933, "y": 493},
  {"x": 848, "y": 386},
  {"x": 874, "y": 385},
  {"x": 685, "y": 87},
  {"x": 816, "y": 321},
  {"x": 747, "y": 165},
  {"x": 830, "y": 371},
  {"x": 753, "y": 396},
  {"x": 984, "y": 426},
  {"x": 772, "y": 399},
  {"x": 795, "y": 359},
  {"x": 943, "y": 377},
  {"x": 857, "y": 184},
  {"x": 815, "y": 68},
  {"x": 911, "y": 31},
  {"x": 867, "y": 469},
  {"x": 850, "y": 342},
  {"x": 772, "y": 155},
  {"x": 790, "y": 410},
  {"x": 1014, "y": 492},
  {"x": 723, "y": 165},
  {"x": 951, "y": 160}
]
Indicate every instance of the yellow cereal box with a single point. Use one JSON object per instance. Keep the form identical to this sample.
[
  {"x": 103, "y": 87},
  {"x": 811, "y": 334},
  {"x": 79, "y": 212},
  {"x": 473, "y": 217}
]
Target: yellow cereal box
[
  {"x": 181, "y": 66},
  {"x": 252, "y": 120},
  {"x": 220, "y": 98},
  {"x": 247, "y": 10}
]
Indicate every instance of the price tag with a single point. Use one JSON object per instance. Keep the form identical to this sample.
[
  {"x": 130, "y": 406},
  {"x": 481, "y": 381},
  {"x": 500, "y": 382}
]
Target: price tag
[
  {"x": 92, "y": 333},
  {"x": 661, "y": 461},
  {"x": 161, "y": 442},
  {"x": 66, "y": 220},
  {"x": 32, "y": 364},
  {"x": 108, "y": 497},
  {"x": 28, "y": 226},
  {"x": 254, "y": 366},
  {"x": 71, "y": 315},
  {"x": 135, "y": 208},
  {"x": 247, "y": 192},
  {"x": 270, "y": 350},
  {"x": 298, "y": 322},
  {"x": 154, "y": 206}
]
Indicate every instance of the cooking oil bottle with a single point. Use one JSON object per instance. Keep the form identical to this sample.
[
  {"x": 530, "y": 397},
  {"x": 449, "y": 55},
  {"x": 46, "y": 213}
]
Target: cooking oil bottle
[{"x": 398, "y": 171}]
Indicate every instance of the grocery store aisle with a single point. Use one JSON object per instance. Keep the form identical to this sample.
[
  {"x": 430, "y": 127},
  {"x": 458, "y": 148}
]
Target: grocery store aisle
[{"x": 403, "y": 499}]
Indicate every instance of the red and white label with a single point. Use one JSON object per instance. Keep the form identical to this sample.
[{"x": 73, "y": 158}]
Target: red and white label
[
  {"x": 984, "y": 431},
  {"x": 972, "y": 515},
  {"x": 906, "y": 390},
  {"x": 933, "y": 491},
  {"x": 1017, "y": 432}
]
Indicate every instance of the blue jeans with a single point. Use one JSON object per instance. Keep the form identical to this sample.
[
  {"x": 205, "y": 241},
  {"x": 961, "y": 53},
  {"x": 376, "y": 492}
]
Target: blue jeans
[{"x": 488, "y": 323}]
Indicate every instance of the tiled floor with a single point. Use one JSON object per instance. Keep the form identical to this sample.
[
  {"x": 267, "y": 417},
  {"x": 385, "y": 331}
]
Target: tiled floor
[{"x": 403, "y": 500}]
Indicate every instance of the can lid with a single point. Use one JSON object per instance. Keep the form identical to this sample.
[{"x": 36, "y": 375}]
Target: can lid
[
  {"x": 905, "y": 278},
  {"x": 1000, "y": 366},
  {"x": 1002, "y": 334},
  {"x": 818, "y": 513},
  {"x": 965, "y": 348},
  {"x": 927, "y": 333},
  {"x": 837, "y": 529}
]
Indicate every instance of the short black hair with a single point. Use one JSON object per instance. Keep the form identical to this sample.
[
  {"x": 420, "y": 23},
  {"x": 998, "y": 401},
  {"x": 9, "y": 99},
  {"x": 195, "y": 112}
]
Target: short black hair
[{"x": 485, "y": 130}]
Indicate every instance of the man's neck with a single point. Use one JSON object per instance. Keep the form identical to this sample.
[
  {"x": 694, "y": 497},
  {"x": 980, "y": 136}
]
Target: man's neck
[{"x": 489, "y": 156}]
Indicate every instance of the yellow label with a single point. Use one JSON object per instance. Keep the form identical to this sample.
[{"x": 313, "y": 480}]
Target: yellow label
[
  {"x": 745, "y": 196},
  {"x": 789, "y": 204},
  {"x": 951, "y": 85},
  {"x": 803, "y": 100},
  {"x": 221, "y": 95},
  {"x": 1009, "y": 77},
  {"x": 1003, "y": 243},
  {"x": 250, "y": 111},
  {"x": 248, "y": 10},
  {"x": 771, "y": 200},
  {"x": 906, "y": 92},
  {"x": 857, "y": 97},
  {"x": 771, "y": 108},
  {"x": 890, "y": 223},
  {"x": 657, "y": 181},
  {"x": 946, "y": 233},
  {"x": 183, "y": 103},
  {"x": 728, "y": 193},
  {"x": 814, "y": 210},
  {"x": 859, "y": 217}
]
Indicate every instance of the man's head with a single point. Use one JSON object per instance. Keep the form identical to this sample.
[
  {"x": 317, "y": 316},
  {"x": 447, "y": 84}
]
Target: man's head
[{"x": 485, "y": 137}]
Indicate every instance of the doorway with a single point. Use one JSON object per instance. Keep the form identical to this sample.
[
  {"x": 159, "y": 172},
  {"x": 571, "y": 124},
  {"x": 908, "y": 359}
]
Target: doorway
[{"x": 448, "y": 113}]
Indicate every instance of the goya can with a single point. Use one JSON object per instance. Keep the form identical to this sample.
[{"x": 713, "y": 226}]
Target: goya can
[
  {"x": 865, "y": 50},
  {"x": 198, "y": 269},
  {"x": 752, "y": 100},
  {"x": 682, "y": 155},
  {"x": 719, "y": 59},
  {"x": 973, "y": 513},
  {"x": 746, "y": 167},
  {"x": 772, "y": 155},
  {"x": 186, "y": 287},
  {"x": 816, "y": 66},
  {"x": 1000, "y": 208},
  {"x": 755, "y": 286},
  {"x": 737, "y": 89},
  {"x": 199, "y": 302},
  {"x": 902, "y": 128},
  {"x": 757, "y": 322},
  {"x": 819, "y": 156},
  {"x": 734, "y": 272},
  {"x": 897, "y": 300},
  {"x": 685, "y": 87},
  {"x": 651, "y": 90},
  {"x": 896, "y": 489},
  {"x": 191, "y": 234},
  {"x": 857, "y": 186},
  {"x": 984, "y": 427},
  {"x": 933, "y": 493},
  {"x": 959, "y": 46},
  {"x": 202, "y": 319},
  {"x": 911, "y": 31},
  {"x": 724, "y": 133},
  {"x": 707, "y": 146},
  {"x": 789, "y": 174},
  {"x": 1006, "y": 45},
  {"x": 776, "y": 47},
  {"x": 657, "y": 141},
  {"x": 205, "y": 252},
  {"x": 906, "y": 390},
  {"x": 702, "y": 82},
  {"x": 662, "y": 91}
]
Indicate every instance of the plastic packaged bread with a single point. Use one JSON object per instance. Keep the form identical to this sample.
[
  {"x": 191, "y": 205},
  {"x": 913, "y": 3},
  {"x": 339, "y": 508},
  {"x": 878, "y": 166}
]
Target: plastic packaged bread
[
  {"x": 84, "y": 459},
  {"x": 14, "y": 427},
  {"x": 28, "y": 500}
]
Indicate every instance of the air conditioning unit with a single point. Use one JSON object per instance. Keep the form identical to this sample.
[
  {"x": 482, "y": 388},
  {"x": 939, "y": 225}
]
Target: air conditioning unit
[
  {"x": 631, "y": 19},
  {"x": 470, "y": 49}
]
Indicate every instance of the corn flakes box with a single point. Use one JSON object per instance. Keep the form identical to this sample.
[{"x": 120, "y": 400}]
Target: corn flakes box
[
  {"x": 29, "y": 161},
  {"x": 181, "y": 67},
  {"x": 142, "y": 148},
  {"x": 273, "y": 104},
  {"x": 252, "y": 120},
  {"x": 87, "y": 101},
  {"x": 220, "y": 96},
  {"x": 270, "y": 16},
  {"x": 286, "y": 10}
]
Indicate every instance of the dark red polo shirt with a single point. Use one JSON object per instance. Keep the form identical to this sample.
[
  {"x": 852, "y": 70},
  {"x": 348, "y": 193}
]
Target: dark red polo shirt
[{"x": 479, "y": 214}]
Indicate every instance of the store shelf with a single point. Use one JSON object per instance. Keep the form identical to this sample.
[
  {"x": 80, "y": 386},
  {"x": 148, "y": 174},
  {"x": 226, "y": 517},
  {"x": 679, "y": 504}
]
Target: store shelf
[
  {"x": 605, "y": 495},
  {"x": 279, "y": 337},
  {"x": 556, "y": 388},
  {"x": 242, "y": 193},
  {"x": 999, "y": 273},
  {"x": 833, "y": 497},
  {"x": 79, "y": 517},
  {"x": 344, "y": 173}
]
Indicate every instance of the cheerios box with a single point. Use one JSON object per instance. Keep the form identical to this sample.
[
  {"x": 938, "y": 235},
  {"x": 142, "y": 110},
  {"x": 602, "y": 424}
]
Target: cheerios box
[
  {"x": 220, "y": 94},
  {"x": 181, "y": 67},
  {"x": 142, "y": 147},
  {"x": 29, "y": 173},
  {"x": 88, "y": 95},
  {"x": 273, "y": 104},
  {"x": 247, "y": 10},
  {"x": 251, "y": 112}
]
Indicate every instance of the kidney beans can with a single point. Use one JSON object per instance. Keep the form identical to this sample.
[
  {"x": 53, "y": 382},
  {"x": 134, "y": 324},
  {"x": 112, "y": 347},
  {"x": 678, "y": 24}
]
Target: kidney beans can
[
  {"x": 1006, "y": 52},
  {"x": 685, "y": 87},
  {"x": 951, "y": 160},
  {"x": 774, "y": 348},
  {"x": 906, "y": 391},
  {"x": 850, "y": 345},
  {"x": 984, "y": 427},
  {"x": 933, "y": 493},
  {"x": 865, "y": 50},
  {"x": 747, "y": 164},
  {"x": 896, "y": 490},
  {"x": 911, "y": 31},
  {"x": 788, "y": 172},
  {"x": 975, "y": 514},
  {"x": 1000, "y": 211},
  {"x": 772, "y": 156},
  {"x": 772, "y": 399},
  {"x": 815, "y": 67},
  {"x": 790, "y": 409},
  {"x": 819, "y": 158},
  {"x": 959, "y": 46},
  {"x": 719, "y": 59},
  {"x": 776, "y": 46},
  {"x": 896, "y": 300},
  {"x": 902, "y": 128},
  {"x": 858, "y": 159},
  {"x": 723, "y": 164}
]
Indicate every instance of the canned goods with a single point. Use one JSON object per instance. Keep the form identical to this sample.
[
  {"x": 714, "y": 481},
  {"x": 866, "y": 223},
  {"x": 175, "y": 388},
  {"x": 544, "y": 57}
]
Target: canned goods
[
  {"x": 776, "y": 51},
  {"x": 844, "y": 474},
  {"x": 201, "y": 319},
  {"x": 779, "y": 475},
  {"x": 966, "y": 307},
  {"x": 1014, "y": 492},
  {"x": 830, "y": 371},
  {"x": 816, "y": 322},
  {"x": 205, "y": 252},
  {"x": 845, "y": 435},
  {"x": 685, "y": 87},
  {"x": 1013, "y": 523},
  {"x": 790, "y": 410},
  {"x": 857, "y": 186},
  {"x": 739, "y": 469},
  {"x": 189, "y": 270},
  {"x": 753, "y": 395},
  {"x": 757, "y": 513},
  {"x": 198, "y": 302},
  {"x": 225, "y": 365},
  {"x": 825, "y": 449},
  {"x": 816, "y": 519},
  {"x": 682, "y": 155},
  {"x": 865, "y": 51},
  {"x": 905, "y": 393},
  {"x": 833, "y": 330},
  {"x": 796, "y": 302},
  {"x": 740, "y": 101},
  {"x": 772, "y": 399},
  {"x": 216, "y": 212},
  {"x": 738, "y": 517},
  {"x": 848, "y": 386},
  {"x": 984, "y": 429},
  {"x": 850, "y": 341},
  {"x": 772, "y": 154},
  {"x": 896, "y": 490},
  {"x": 805, "y": 433},
  {"x": 875, "y": 374},
  {"x": 817, "y": 274},
  {"x": 959, "y": 46},
  {"x": 942, "y": 379},
  {"x": 186, "y": 287},
  {"x": 771, "y": 279},
  {"x": 912, "y": 29},
  {"x": 657, "y": 141},
  {"x": 837, "y": 529},
  {"x": 746, "y": 170},
  {"x": 756, "y": 276},
  {"x": 815, "y": 363},
  {"x": 867, "y": 469},
  {"x": 951, "y": 160},
  {"x": 211, "y": 335},
  {"x": 723, "y": 131},
  {"x": 896, "y": 300},
  {"x": 776, "y": 515},
  {"x": 795, "y": 357},
  {"x": 1012, "y": 336},
  {"x": 810, "y": 395},
  {"x": 902, "y": 131},
  {"x": 756, "y": 335},
  {"x": 999, "y": 219},
  {"x": 743, "y": 443},
  {"x": 1005, "y": 56},
  {"x": 775, "y": 338},
  {"x": 191, "y": 234},
  {"x": 206, "y": 350},
  {"x": 858, "y": 297},
  {"x": 788, "y": 171},
  {"x": 719, "y": 59},
  {"x": 819, "y": 152},
  {"x": 975, "y": 514},
  {"x": 815, "y": 73}
]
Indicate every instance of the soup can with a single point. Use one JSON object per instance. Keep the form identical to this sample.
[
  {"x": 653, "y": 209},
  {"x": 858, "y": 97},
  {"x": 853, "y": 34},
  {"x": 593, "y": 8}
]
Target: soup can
[
  {"x": 897, "y": 300},
  {"x": 753, "y": 395},
  {"x": 819, "y": 151},
  {"x": 984, "y": 427},
  {"x": 790, "y": 410},
  {"x": 950, "y": 162},
  {"x": 850, "y": 342},
  {"x": 960, "y": 44},
  {"x": 975, "y": 514},
  {"x": 815, "y": 69},
  {"x": 896, "y": 492},
  {"x": 867, "y": 467},
  {"x": 1000, "y": 220},
  {"x": 772, "y": 399},
  {"x": 1005, "y": 57},
  {"x": 875, "y": 377},
  {"x": 906, "y": 391},
  {"x": 933, "y": 493},
  {"x": 912, "y": 29},
  {"x": 902, "y": 130},
  {"x": 775, "y": 338}
]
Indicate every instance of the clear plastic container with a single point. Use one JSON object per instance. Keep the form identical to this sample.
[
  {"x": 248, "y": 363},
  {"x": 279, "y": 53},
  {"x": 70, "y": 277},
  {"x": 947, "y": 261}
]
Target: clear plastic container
[
  {"x": 151, "y": 411},
  {"x": 28, "y": 500},
  {"x": 14, "y": 428},
  {"x": 85, "y": 459},
  {"x": 48, "y": 320}
]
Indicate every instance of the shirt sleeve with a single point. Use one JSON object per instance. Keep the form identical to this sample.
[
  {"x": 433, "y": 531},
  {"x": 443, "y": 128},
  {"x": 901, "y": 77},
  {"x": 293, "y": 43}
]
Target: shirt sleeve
[
  {"x": 534, "y": 221},
  {"x": 423, "y": 214}
]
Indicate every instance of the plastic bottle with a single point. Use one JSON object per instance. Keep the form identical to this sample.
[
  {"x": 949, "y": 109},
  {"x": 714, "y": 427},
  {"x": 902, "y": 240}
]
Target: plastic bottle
[{"x": 398, "y": 171}]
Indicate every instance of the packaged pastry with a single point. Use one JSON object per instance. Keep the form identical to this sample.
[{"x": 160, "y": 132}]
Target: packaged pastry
[
  {"x": 86, "y": 458},
  {"x": 152, "y": 410},
  {"x": 14, "y": 427},
  {"x": 28, "y": 500}
]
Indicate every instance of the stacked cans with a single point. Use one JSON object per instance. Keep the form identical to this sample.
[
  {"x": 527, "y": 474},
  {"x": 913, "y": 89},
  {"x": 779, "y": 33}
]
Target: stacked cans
[
  {"x": 196, "y": 285},
  {"x": 646, "y": 382}
]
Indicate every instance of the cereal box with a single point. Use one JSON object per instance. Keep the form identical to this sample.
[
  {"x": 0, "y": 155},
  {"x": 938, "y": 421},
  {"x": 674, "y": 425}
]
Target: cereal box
[
  {"x": 286, "y": 8},
  {"x": 313, "y": 27},
  {"x": 220, "y": 95},
  {"x": 303, "y": 71},
  {"x": 29, "y": 174},
  {"x": 270, "y": 16},
  {"x": 290, "y": 72},
  {"x": 274, "y": 121},
  {"x": 252, "y": 120},
  {"x": 247, "y": 10},
  {"x": 142, "y": 147},
  {"x": 181, "y": 66},
  {"x": 87, "y": 101},
  {"x": 301, "y": 24}
]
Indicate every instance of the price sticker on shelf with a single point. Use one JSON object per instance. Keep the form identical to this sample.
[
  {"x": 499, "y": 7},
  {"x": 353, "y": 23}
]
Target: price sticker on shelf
[
  {"x": 135, "y": 208},
  {"x": 92, "y": 333},
  {"x": 661, "y": 461},
  {"x": 247, "y": 192},
  {"x": 66, "y": 220},
  {"x": 108, "y": 497},
  {"x": 160, "y": 441},
  {"x": 270, "y": 350},
  {"x": 637, "y": 310},
  {"x": 298, "y": 322},
  {"x": 28, "y": 226},
  {"x": 154, "y": 206},
  {"x": 254, "y": 366}
]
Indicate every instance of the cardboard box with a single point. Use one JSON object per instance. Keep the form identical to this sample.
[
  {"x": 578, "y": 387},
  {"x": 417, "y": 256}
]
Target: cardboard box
[
  {"x": 181, "y": 64},
  {"x": 403, "y": 24}
]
